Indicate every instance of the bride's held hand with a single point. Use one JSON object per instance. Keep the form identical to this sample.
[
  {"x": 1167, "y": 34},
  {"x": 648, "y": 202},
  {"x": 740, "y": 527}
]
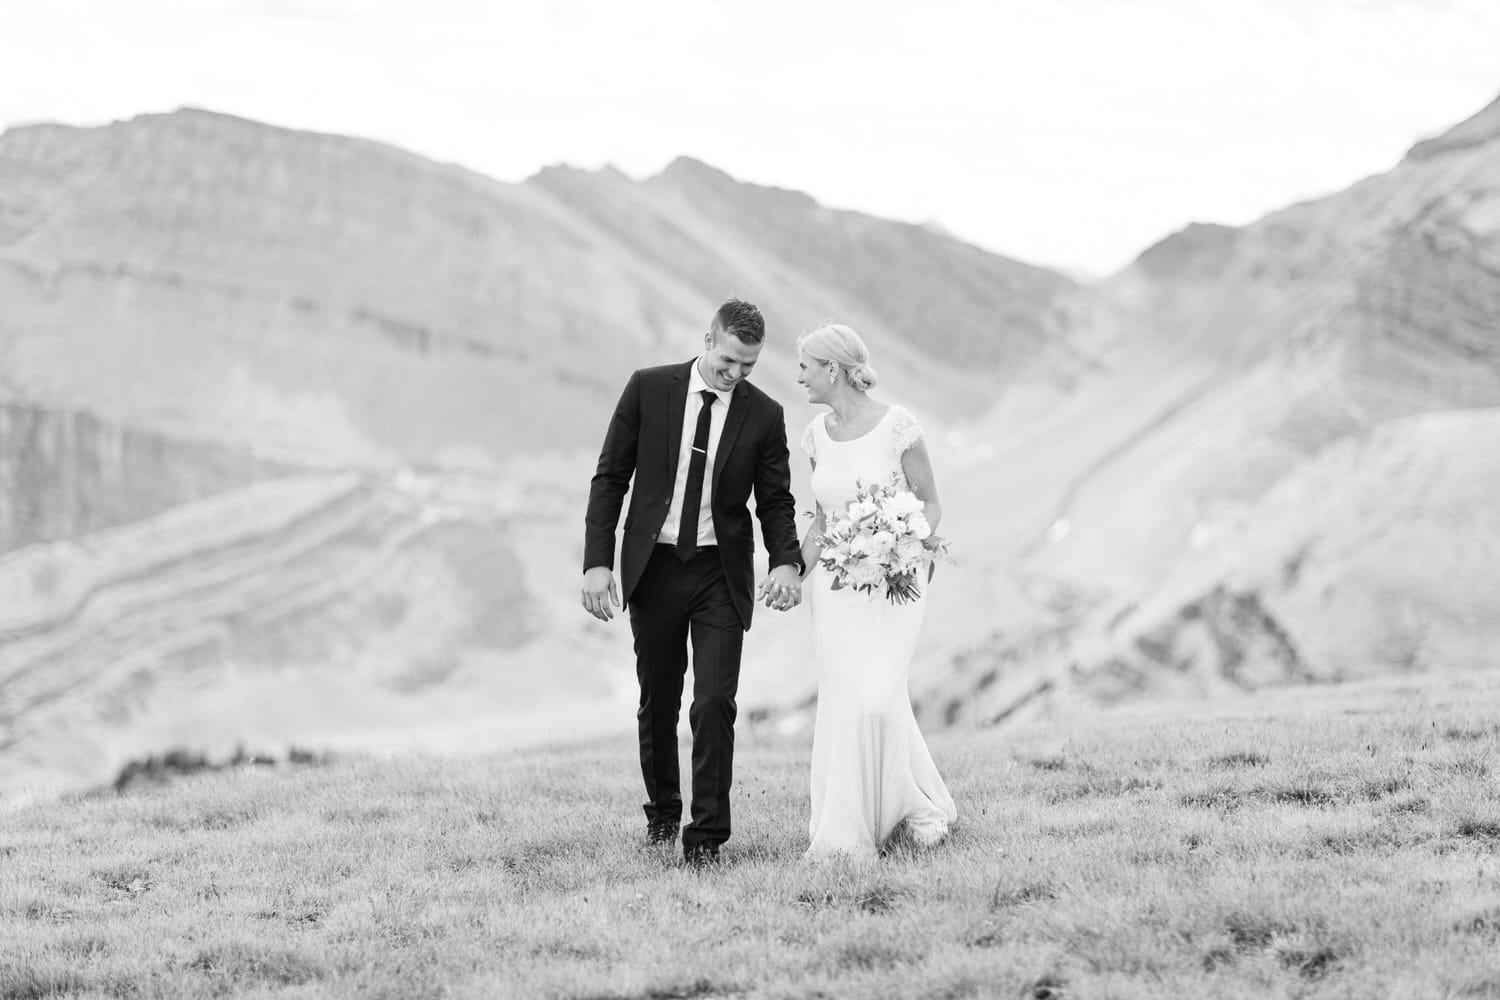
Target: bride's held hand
[{"x": 781, "y": 589}]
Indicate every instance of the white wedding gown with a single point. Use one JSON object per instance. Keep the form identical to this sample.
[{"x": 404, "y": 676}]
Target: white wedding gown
[{"x": 870, "y": 766}]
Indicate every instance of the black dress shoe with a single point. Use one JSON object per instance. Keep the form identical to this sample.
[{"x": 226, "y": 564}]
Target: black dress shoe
[
  {"x": 661, "y": 832},
  {"x": 701, "y": 855}
]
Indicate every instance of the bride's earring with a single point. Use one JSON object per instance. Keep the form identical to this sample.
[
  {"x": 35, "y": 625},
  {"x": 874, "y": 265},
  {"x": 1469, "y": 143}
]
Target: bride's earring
[{"x": 833, "y": 374}]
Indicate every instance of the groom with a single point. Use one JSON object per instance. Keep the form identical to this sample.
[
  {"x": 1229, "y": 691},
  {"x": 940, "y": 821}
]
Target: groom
[{"x": 698, "y": 440}]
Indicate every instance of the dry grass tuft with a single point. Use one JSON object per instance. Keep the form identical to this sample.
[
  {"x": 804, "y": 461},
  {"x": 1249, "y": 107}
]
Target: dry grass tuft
[
  {"x": 1483, "y": 828},
  {"x": 1047, "y": 987},
  {"x": 1239, "y": 758}
]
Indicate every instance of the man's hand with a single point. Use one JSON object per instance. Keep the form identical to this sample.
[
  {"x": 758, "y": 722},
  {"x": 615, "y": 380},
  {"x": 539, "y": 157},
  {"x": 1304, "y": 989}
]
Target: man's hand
[
  {"x": 599, "y": 593},
  {"x": 782, "y": 589}
]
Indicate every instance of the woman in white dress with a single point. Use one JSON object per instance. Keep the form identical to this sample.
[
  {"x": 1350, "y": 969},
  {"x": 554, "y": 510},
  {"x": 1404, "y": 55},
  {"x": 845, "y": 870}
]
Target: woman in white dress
[{"x": 871, "y": 770}]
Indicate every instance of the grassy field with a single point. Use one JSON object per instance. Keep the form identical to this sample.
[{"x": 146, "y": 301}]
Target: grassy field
[{"x": 1325, "y": 842}]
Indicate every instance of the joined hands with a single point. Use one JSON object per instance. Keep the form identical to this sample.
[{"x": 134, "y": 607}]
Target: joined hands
[{"x": 782, "y": 589}]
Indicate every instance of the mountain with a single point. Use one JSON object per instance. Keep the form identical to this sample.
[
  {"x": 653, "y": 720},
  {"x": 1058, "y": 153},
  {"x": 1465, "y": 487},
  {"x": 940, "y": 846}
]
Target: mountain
[
  {"x": 1252, "y": 365},
  {"x": 295, "y": 431},
  {"x": 319, "y": 300},
  {"x": 310, "y": 419}
]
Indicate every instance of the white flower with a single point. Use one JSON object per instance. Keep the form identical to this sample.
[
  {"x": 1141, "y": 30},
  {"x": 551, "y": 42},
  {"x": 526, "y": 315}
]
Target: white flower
[
  {"x": 881, "y": 543},
  {"x": 904, "y": 503},
  {"x": 866, "y": 574},
  {"x": 909, "y": 555},
  {"x": 917, "y": 522},
  {"x": 861, "y": 509}
]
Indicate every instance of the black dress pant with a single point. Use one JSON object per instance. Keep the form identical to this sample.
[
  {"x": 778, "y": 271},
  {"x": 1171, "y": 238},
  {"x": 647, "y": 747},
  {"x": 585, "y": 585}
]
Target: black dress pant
[{"x": 674, "y": 603}]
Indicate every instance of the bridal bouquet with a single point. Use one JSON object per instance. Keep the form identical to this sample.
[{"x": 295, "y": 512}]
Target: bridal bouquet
[{"x": 880, "y": 542}]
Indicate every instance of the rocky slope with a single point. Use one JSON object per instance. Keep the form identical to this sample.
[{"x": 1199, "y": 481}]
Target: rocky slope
[
  {"x": 325, "y": 608},
  {"x": 68, "y": 473},
  {"x": 1254, "y": 360},
  {"x": 1374, "y": 558}
]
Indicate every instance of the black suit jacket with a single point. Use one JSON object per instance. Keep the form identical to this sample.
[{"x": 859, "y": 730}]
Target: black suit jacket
[{"x": 644, "y": 439}]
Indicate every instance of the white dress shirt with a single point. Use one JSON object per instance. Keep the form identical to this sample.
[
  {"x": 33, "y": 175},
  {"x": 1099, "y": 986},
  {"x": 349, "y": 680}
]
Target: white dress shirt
[{"x": 716, "y": 417}]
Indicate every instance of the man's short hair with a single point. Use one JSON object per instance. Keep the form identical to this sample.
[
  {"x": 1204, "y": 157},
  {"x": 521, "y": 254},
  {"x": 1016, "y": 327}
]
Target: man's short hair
[{"x": 742, "y": 320}]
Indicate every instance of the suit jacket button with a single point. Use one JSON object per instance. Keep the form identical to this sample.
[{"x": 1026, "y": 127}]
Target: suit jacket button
[{"x": 653, "y": 536}]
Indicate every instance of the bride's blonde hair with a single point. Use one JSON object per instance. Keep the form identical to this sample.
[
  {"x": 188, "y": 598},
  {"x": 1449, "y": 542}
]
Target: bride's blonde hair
[{"x": 839, "y": 344}]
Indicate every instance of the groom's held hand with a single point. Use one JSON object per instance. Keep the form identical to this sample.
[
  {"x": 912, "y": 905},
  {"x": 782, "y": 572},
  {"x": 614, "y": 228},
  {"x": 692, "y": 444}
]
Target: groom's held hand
[
  {"x": 599, "y": 593},
  {"x": 782, "y": 589}
]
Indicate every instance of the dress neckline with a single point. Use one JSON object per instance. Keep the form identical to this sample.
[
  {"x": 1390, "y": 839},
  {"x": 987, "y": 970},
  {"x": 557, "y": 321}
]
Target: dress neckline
[{"x": 859, "y": 437}]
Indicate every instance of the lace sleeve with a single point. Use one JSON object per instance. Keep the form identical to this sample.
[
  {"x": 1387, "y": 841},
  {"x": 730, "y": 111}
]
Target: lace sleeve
[
  {"x": 905, "y": 431},
  {"x": 807, "y": 441}
]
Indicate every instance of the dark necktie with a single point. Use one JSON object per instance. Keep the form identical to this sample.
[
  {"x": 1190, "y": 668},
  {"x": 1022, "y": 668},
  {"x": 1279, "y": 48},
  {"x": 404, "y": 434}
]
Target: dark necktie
[{"x": 692, "y": 495}]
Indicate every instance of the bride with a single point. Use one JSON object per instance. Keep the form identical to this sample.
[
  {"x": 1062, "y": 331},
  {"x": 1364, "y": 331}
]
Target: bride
[{"x": 871, "y": 770}]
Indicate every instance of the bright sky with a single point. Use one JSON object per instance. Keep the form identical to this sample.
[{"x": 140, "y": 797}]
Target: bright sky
[{"x": 1071, "y": 133}]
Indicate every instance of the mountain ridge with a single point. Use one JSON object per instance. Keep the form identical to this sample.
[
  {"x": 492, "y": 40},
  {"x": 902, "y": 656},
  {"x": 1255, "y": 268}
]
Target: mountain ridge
[{"x": 1480, "y": 128}]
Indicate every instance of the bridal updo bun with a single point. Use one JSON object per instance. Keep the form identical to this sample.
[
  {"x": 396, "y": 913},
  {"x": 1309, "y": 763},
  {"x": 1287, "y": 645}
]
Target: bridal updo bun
[
  {"x": 839, "y": 344},
  {"x": 862, "y": 377}
]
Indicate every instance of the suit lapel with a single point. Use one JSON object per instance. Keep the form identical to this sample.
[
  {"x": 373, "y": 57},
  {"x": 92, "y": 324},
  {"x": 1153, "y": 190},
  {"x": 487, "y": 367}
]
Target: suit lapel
[
  {"x": 676, "y": 407},
  {"x": 735, "y": 419}
]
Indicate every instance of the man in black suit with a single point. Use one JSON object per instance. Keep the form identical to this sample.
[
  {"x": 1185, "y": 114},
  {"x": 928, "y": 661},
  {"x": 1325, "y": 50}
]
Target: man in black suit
[{"x": 699, "y": 440}]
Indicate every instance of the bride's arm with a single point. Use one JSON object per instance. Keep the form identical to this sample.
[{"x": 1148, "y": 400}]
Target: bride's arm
[
  {"x": 812, "y": 543},
  {"x": 917, "y": 465}
]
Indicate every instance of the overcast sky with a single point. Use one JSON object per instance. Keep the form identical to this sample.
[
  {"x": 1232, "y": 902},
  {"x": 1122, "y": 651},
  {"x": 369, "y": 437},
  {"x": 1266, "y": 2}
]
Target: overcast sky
[{"x": 1071, "y": 133}]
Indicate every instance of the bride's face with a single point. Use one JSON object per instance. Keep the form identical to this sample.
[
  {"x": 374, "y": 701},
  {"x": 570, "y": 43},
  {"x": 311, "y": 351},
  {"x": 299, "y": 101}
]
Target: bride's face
[{"x": 813, "y": 376}]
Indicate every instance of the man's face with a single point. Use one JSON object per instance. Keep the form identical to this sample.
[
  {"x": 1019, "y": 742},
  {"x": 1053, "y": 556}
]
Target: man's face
[{"x": 727, "y": 360}]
